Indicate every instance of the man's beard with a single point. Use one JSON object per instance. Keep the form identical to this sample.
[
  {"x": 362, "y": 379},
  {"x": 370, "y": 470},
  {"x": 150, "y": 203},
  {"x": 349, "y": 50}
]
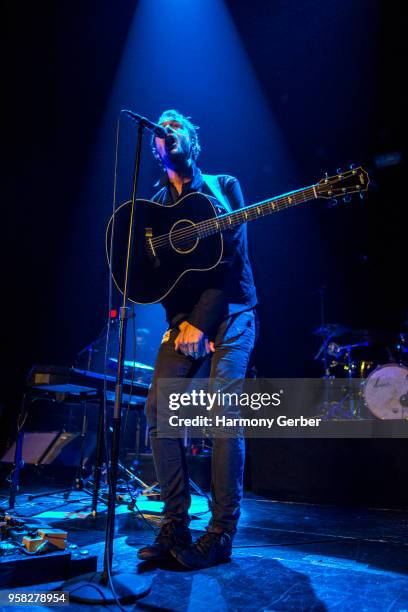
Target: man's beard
[{"x": 178, "y": 160}]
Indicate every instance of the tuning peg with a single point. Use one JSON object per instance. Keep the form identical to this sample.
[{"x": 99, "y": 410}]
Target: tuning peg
[
  {"x": 362, "y": 195},
  {"x": 352, "y": 166},
  {"x": 346, "y": 199},
  {"x": 326, "y": 175},
  {"x": 338, "y": 171},
  {"x": 333, "y": 202}
]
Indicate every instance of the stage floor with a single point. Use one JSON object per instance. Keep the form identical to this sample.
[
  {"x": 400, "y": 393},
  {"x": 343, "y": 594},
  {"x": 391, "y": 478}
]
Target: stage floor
[{"x": 286, "y": 556}]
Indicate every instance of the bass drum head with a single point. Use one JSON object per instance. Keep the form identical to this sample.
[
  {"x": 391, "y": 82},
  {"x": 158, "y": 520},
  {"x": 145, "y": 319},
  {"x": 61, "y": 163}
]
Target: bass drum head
[{"x": 386, "y": 391}]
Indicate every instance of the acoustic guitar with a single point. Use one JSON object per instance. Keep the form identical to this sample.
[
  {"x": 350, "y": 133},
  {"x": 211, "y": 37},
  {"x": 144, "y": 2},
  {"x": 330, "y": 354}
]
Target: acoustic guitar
[{"x": 186, "y": 237}]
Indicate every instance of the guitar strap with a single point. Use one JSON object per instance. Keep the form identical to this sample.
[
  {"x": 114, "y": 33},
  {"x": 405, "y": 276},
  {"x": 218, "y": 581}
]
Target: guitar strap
[{"x": 212, "y": 182}]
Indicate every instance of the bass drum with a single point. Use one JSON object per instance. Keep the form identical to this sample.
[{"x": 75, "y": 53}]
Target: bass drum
[{"x": 386, "y": 392}]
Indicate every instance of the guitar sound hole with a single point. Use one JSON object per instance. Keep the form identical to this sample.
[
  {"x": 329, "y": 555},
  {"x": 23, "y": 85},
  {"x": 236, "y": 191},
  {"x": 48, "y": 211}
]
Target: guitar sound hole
[{"x": 184, "y": 236}]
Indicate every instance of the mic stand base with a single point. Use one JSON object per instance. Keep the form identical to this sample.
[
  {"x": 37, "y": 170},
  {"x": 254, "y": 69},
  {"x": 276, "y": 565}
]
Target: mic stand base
[{"x": 93, "y": 588}]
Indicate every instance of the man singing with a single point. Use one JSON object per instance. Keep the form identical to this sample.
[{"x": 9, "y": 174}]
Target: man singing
[{"x": 211, "y": 318}]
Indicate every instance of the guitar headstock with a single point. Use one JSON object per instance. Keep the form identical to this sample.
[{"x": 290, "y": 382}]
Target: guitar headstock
[{"x": 342, "y": 184}]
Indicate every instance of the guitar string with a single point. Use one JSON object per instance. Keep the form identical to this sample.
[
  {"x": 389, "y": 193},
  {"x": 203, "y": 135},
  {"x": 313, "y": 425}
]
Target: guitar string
[
  {"x": 181, "y": 234},
  {"x": 210, "y": 227},
  {"x": 278, "y": 204},
  {"x": 207, "y": 226},
  {"x": 273, "y": 205},
  {"x": 210, "y": 224},
  {"x": 240, "y": 212}
]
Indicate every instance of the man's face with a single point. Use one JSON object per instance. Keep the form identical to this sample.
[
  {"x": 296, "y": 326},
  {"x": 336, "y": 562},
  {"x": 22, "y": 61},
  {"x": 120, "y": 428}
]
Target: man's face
[{"x": 178, "y": 152}]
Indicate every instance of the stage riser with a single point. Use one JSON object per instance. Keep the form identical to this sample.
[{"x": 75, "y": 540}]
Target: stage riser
[{"x": 347, "y": 472}]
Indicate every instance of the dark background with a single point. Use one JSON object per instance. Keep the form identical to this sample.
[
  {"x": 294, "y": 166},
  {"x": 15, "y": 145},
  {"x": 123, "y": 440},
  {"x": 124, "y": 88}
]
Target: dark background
[{"x": 329, "y": 75}]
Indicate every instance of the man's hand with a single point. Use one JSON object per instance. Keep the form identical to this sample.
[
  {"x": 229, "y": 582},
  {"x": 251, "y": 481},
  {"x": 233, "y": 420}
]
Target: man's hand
[{"x": 192, "y": 341}]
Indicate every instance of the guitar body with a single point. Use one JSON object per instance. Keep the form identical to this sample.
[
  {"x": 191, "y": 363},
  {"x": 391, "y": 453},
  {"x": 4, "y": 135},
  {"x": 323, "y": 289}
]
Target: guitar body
[{"x": 165, "y": 247}]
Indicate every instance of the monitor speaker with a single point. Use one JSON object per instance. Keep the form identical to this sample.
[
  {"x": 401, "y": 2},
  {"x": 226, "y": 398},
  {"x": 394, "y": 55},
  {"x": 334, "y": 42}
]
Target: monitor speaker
[{"x": 53, "y": 448}]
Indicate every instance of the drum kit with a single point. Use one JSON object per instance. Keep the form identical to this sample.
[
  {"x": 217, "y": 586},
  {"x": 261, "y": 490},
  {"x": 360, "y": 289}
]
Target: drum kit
[{"x": 373, "y": 367}]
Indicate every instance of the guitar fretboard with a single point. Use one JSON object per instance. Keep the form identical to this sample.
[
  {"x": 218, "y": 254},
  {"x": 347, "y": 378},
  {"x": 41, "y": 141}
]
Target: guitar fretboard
[{"x": 255, "y": 211}]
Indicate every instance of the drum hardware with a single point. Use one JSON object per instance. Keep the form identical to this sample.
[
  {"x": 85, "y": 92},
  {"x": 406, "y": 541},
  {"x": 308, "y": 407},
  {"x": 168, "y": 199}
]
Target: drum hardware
[
  {"x": 336, "y": 350},
  {"x": 340, "y": 359},
  {"x": 357, "y": 354},
  {"x": 401, "y": 348}
]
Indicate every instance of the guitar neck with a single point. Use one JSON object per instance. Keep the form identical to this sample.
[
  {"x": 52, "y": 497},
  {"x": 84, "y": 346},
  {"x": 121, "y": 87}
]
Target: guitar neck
[{"x": 256, "y": 211}]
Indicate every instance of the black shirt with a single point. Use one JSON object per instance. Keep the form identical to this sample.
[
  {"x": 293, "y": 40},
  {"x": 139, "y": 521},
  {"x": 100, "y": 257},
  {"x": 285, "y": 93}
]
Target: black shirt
[{"x": 204, "y": 299}]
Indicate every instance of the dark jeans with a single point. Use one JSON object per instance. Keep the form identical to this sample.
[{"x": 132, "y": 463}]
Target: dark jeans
[{"x": 234, "y": 343}]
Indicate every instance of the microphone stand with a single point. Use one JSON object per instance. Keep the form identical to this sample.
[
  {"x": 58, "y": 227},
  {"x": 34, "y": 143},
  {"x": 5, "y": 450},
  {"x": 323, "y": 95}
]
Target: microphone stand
[{"x": 107, "y": 587}]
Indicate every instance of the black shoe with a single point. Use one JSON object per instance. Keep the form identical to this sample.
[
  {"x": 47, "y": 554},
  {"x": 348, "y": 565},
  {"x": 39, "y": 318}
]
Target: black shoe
[
  {"x": 172, "y": 533},
  {"x": 210, "y": 549}
]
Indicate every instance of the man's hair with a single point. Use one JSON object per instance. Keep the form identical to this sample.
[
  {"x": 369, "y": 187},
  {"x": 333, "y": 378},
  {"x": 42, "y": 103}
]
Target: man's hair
[{"x": 192, "y": 129}]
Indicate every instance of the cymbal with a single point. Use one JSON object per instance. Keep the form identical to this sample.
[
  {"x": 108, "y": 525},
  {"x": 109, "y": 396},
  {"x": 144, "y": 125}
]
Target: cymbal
[
  {"x": 348, "y": 335},
  {"x": 331, "y": 329},
  {"x": 372, "y": 336}
]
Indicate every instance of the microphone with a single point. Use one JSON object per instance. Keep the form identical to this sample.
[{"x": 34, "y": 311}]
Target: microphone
[{"x": 157, "y": 130}]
